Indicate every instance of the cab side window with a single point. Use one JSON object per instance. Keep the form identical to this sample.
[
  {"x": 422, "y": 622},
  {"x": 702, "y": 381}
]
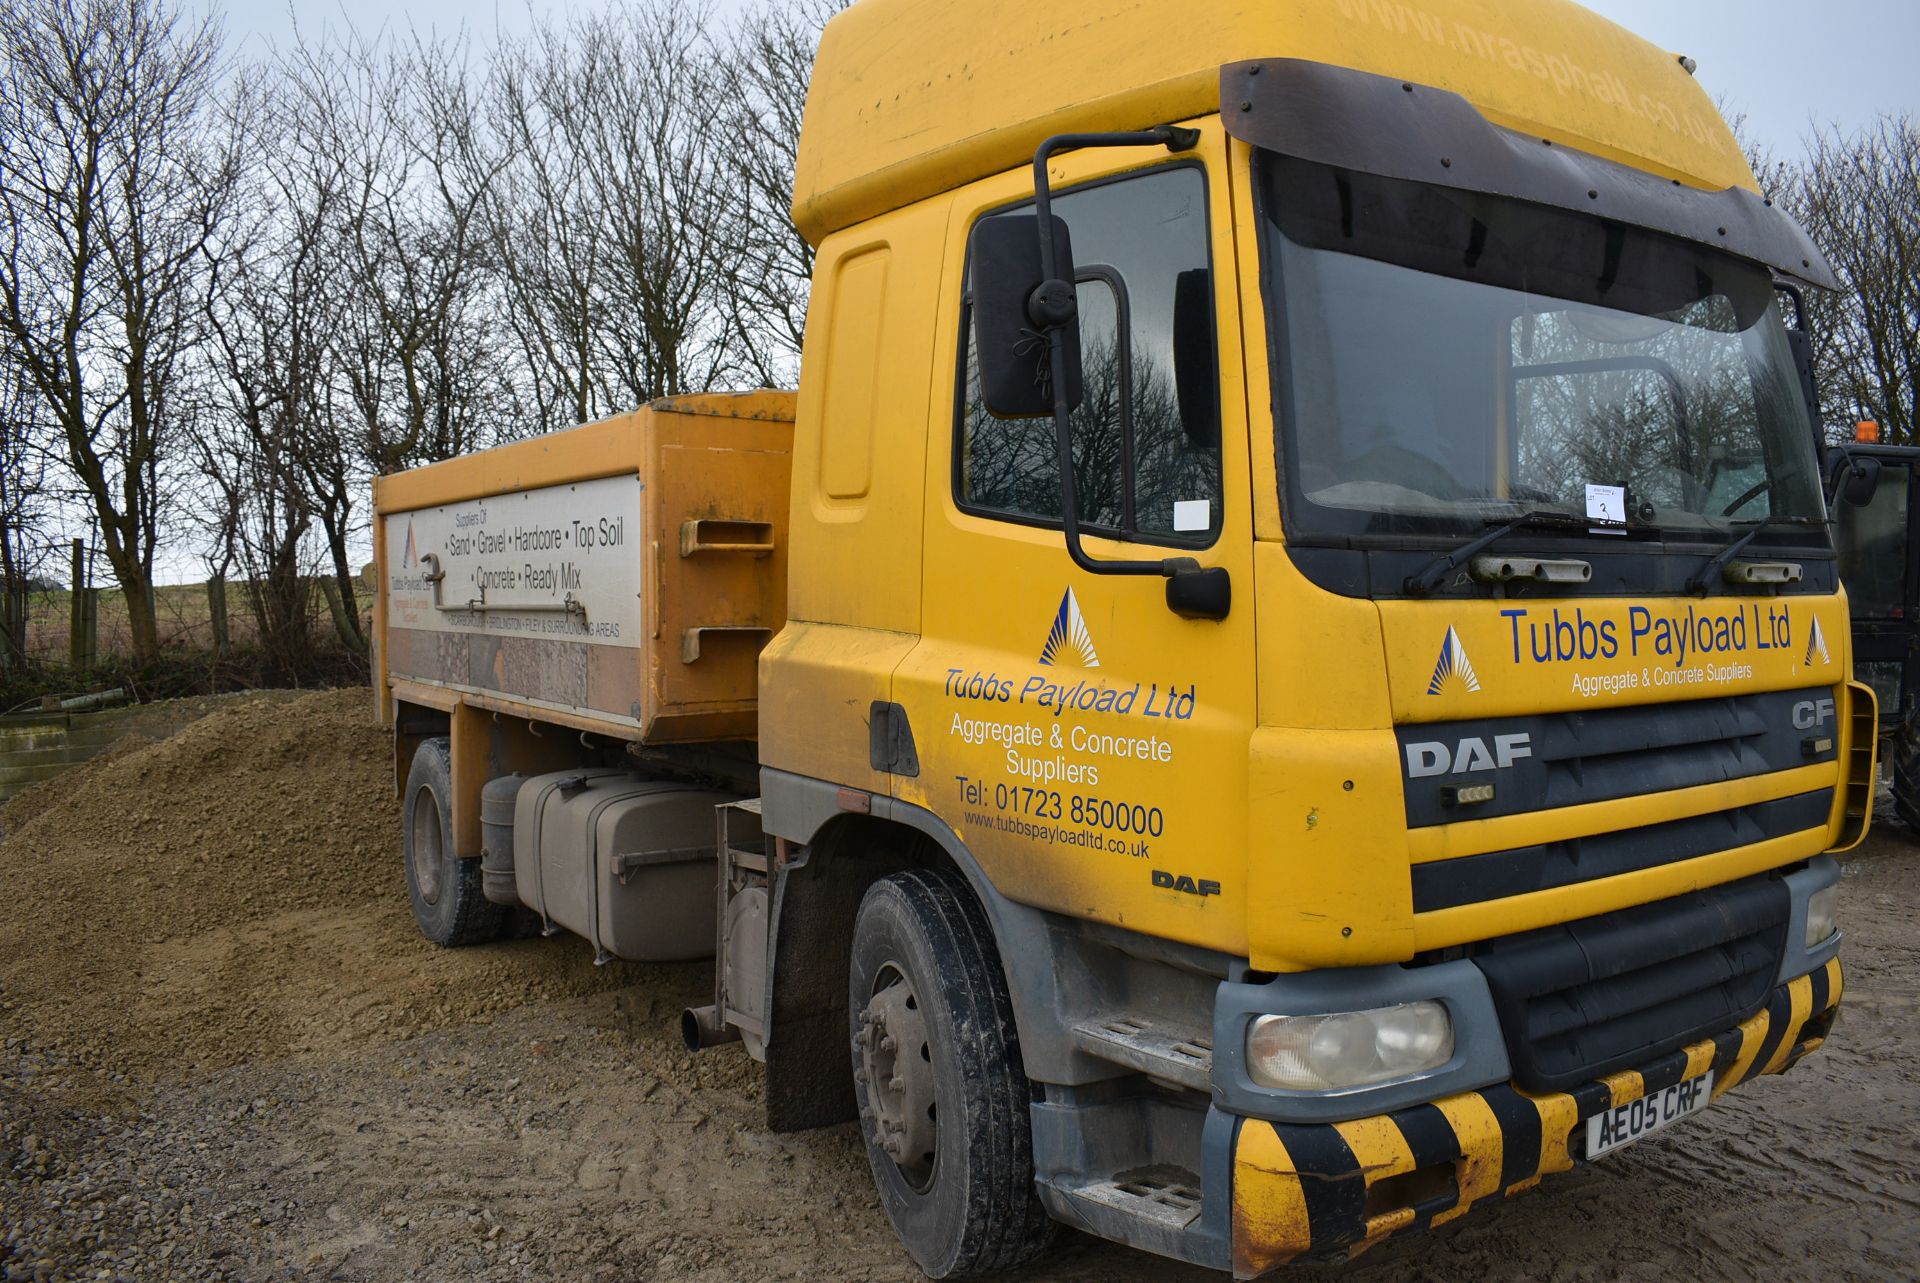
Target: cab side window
[{"x": 1146, "y": 435}]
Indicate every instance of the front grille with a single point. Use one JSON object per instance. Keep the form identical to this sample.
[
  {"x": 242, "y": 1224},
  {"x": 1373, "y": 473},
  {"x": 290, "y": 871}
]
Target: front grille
[
  {"x": 1470, "y": 879},
  {"x": 1601, "y": 754},
  {"x": 1588, "y": 998}
]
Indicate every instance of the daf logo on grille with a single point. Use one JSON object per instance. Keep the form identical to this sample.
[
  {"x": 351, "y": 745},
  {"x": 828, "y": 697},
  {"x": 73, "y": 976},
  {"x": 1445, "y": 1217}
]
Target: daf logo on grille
[
  {"x": 1467, "y": 756},
  {"x": 1809, "y": 713}
]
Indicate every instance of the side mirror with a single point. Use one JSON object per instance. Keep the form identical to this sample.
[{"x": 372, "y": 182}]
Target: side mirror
[
  {"x": 1196, "y": 372},
  {"x": 1012, "y": 305},
  {"x": 1856, "y": 480}
]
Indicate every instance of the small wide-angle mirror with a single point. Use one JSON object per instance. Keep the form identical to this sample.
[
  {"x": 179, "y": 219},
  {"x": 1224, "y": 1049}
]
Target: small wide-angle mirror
[{"x": 1009, "y": 341}]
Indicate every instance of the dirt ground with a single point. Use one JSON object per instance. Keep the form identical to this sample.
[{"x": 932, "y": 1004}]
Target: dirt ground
[{"x": 228, "y": 1055}]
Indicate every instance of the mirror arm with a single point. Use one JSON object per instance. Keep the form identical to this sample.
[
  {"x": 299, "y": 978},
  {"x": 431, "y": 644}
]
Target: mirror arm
[
  {"x": 1792, "y": 291},
  {"x": 1800, "y": 339},
  {"x": 1172, "y": 137},
  {"x": 1193, "y": 591}
]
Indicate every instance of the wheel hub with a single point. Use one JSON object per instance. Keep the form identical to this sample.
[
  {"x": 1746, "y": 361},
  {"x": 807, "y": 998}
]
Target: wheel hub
[
  {"x": 896, "y": 1068},
  {"x": 426, "y": 845}
]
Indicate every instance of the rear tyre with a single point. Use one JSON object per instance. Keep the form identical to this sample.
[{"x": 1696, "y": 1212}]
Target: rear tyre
[
  {"x": 944, "y": 1099},
  {"x": 1905, "y": 750},
  {"x": 448, "y": 902}
]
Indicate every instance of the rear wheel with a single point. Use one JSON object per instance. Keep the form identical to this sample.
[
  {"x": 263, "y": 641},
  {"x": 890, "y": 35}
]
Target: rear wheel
[
  {"x": 448, "y": 902},
  {"x": 1905, "y": 750},
  {"x": 944, "y": 1100}
]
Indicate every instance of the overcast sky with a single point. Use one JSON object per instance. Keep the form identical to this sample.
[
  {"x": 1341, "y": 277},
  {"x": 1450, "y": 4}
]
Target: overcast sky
[
  {"x": 1788, "y": 65},
  {"x": 1785, "y": 63}
]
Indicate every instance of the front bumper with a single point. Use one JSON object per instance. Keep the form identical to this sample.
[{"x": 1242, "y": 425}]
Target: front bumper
[{"x": 1314, "y": 1189}]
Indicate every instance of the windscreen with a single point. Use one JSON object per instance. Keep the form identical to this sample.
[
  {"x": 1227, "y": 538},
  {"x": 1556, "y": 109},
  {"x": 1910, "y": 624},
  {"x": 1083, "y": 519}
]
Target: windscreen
[{"x": 1450, "y": 359}]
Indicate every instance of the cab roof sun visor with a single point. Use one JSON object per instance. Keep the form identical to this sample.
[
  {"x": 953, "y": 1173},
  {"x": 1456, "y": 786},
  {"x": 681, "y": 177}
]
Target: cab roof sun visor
[{"x": 1377, "y": 125}]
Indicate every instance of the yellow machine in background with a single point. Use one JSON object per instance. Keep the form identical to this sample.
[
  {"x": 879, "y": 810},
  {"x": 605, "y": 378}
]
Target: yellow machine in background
[{"x": 1394, "y": 759}]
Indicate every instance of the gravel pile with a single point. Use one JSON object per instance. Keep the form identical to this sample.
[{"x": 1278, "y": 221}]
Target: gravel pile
[
  {"x": 227, "y": 896},
  {"x": 231, "y": 893}
]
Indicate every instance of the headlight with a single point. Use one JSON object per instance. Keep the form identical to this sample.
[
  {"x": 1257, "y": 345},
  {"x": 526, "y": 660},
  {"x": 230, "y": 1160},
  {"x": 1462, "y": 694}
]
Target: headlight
[
  {"x": 1822, "y": 908},
  {"x": 1349, "y": 1048}
]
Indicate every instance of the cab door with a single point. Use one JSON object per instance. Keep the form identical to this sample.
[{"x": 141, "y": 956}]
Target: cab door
[
  {"x": 1087, "y": 744},
  {"x": 1879, "y": 549}
]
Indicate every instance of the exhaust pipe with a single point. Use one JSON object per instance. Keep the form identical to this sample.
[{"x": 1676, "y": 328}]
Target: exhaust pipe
[{"x": 701, "y": 1028}]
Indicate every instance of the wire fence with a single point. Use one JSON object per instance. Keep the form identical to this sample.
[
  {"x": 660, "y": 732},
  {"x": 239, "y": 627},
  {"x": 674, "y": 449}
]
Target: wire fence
[{"x": 50, "y": 624}]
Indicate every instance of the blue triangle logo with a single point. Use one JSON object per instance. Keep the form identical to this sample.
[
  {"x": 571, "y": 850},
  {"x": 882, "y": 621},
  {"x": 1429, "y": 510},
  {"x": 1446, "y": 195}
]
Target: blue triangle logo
[
  {"x": 1453, "y": 667},
  {"x": 1069, "y": 645}
]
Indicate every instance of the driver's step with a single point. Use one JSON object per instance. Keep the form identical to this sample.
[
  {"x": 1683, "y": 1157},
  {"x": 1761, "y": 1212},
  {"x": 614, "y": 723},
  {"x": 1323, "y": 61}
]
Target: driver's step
[
  {"x": 1169, "y": 1053},
  {"x": 1166, "y": 1196}
]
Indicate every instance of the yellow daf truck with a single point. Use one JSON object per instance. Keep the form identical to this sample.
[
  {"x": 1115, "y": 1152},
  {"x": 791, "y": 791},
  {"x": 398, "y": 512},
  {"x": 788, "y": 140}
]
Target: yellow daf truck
[{"x": 1282, "y": 676}]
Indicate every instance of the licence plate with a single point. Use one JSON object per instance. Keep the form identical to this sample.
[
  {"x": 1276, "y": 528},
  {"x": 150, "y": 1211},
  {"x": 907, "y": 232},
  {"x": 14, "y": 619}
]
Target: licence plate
[{"x": 1609, "y": 1131}]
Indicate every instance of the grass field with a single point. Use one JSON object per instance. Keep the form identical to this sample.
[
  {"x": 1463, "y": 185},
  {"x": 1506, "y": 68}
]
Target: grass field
[{"x": 182, "y": 611}]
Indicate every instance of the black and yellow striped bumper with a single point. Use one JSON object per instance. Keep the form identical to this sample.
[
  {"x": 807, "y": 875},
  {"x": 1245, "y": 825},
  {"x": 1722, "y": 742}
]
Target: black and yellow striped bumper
[{"x": 1315, "y": 1189}]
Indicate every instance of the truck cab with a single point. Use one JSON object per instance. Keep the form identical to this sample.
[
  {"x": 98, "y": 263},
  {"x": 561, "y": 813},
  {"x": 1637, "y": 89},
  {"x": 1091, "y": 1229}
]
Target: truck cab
[
  {"x": 1282, "y": 676},
  {"x": 1438, "y": 339}
]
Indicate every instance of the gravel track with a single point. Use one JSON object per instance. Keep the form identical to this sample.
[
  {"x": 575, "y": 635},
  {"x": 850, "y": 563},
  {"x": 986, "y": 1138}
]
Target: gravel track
[{"x": 244, "y": 1064}]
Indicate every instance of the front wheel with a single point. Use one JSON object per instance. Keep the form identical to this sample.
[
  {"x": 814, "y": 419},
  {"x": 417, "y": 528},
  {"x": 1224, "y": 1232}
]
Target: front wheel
[
  {"x": 944, "y": 1099},
  {"x": 448, "y": 902}
]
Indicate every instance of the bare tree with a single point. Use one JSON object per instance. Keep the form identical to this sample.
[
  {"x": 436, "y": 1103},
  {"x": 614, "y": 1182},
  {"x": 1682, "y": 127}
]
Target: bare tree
[
  {"x": 112, "y": 183},
  {"x": 765, "y": 71},
  {"x": 609, "y": 217},
  {"x": 277, "y": 470},
  {"x": 22, "y": 508},
  {"x": 425, "y": 253},
  {"x": 548, "y": 226},
  {"x": 252, "y": 494},
  {"x": 1860, "y": 198},
  {"x": 417, "y": 365}
]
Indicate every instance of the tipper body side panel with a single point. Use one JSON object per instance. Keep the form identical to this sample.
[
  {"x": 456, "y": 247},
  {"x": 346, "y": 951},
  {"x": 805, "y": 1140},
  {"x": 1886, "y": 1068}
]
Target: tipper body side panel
[{"x": 621, "y": 576}]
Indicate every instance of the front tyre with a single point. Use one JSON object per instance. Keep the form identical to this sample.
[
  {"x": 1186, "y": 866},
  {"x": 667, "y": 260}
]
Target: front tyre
[
  {"x": 943, "y": 1097},
  {"x": 448, "y": 902}
]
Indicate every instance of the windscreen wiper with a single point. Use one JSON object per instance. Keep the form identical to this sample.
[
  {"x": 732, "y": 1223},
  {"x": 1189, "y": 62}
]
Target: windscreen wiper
[
  {"x": 1704, "y": 578},
  {"x": 1430, "y": 576}
]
